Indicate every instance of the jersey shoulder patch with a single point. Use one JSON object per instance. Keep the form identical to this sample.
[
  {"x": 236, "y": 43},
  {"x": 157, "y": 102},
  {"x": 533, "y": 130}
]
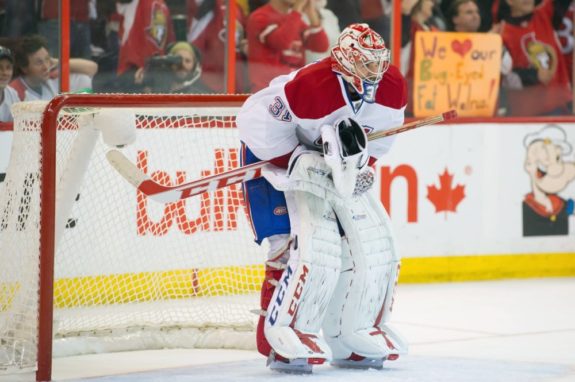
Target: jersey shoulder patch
[
  {"x": 315, "y": 91},
  {"x": 392, "y": 90}
]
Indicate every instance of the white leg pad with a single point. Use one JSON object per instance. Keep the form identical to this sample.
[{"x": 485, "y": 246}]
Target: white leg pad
[
  {"x": 363, "y": 298},
  {"x": 299, "y": 303}
]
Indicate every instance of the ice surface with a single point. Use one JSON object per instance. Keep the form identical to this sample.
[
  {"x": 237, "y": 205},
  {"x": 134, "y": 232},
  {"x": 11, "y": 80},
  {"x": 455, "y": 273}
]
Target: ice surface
[{"x": 497, "y": 331}]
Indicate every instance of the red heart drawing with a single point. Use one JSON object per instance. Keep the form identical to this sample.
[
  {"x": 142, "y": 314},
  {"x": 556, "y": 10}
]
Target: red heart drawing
[{"x": 461, "y": 47}]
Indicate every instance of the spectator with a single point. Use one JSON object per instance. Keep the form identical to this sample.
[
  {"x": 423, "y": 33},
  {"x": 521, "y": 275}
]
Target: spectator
[
  {"x": 463, "y": 16},
  {"x": 330, "y": 25},
  {"x": 421, "y": 15},
  {"x": 207, "y": 32},
  {"x": 487, "y": 13},
  {"x": 278, "y": 37},
  {"x": 145, "y": 31},
  {"x": 539, "y": 82},
  {"x": 187, "y": 75},
  {"x": 8, "y": 96},
  {"x": 19, "y": 18},
  {"x": 37, "y": 75},
  {"x": 178, "y": 72},
  {"x": 80, "y": 37}
]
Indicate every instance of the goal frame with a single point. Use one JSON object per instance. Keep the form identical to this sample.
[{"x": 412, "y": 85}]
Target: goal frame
[{"x": 48, "y": 136}]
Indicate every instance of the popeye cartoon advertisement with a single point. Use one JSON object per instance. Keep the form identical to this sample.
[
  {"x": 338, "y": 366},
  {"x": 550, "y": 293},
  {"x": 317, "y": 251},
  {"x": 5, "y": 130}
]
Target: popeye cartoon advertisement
[{"x": 545, "y": 211}]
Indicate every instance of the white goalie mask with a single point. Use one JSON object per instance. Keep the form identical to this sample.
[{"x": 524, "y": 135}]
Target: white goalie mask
[
  {"x": 361, "y": 58},
  {"x": 345, "y": 152}
]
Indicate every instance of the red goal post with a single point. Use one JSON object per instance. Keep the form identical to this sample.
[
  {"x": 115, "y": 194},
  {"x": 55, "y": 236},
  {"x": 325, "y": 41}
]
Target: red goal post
[{"x": 61, "y": 110}]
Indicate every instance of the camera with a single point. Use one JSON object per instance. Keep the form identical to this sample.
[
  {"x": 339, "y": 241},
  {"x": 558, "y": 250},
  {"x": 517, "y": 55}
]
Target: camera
[
  {"x": 159, "y": 72},
  {"x": 164, "y": 61}
]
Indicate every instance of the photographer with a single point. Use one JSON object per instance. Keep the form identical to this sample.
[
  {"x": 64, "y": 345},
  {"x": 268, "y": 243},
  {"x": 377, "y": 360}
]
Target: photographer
[{"x": 177, "y": 72}]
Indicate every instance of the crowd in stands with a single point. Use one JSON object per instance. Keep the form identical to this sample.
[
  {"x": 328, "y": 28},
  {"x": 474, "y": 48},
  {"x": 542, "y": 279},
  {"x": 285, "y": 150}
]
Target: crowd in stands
[{"x": 164, "y": 46}]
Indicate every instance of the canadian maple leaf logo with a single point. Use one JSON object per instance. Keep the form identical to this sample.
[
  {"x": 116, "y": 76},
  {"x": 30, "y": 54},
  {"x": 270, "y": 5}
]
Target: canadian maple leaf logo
[{"x": 445, "y": 198}]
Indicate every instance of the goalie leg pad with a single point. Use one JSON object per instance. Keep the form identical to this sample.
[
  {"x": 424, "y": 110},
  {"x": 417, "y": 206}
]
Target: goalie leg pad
[
  {"x": 363, "y": 298},
  {"x": 300, "y": 300}
]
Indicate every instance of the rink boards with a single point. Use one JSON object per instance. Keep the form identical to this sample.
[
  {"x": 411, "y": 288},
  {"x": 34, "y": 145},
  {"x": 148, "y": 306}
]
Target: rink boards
[{"x": 456, "y": 195}]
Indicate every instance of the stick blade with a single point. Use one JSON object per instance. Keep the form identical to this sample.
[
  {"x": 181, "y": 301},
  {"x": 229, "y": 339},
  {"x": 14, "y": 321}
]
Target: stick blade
[
  {"x": 451, "y": 114},
  {"x": 137, "y": 178},
  {"x": 127, "y": 169}
]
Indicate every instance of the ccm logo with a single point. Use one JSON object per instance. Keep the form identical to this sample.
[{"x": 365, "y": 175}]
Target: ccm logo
[
  {"x": 282, "y": 291},
  {"x": 280, "y": 297},
  {"x": 298, "y": 291}
]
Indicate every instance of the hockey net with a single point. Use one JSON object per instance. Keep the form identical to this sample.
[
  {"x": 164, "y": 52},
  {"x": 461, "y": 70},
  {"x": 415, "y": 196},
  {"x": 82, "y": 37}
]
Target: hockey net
[{"x": 129, "y": 273}]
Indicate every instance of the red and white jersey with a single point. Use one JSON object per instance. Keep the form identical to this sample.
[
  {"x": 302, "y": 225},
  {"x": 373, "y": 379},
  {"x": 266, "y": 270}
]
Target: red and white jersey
[
  {"x": 145, "y": 30},
  {"x": 275, "y": 120},
  {"x": 49, "y": 89},
  {"x": 277, "y": 42}
]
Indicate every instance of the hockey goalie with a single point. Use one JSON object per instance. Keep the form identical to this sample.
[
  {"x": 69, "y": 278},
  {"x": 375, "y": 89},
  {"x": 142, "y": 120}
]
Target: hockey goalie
[{"x": 332, "y": 264}]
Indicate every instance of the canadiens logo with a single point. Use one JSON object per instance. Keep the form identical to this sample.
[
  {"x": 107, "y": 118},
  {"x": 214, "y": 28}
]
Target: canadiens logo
[
  {"x": 281, "y": 210},
  {"x": 157, "y": 30}
]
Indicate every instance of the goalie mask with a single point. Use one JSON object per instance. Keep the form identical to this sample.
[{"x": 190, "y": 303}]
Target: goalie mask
[
  {"x": 361, "y": 57},
  {"x": 345, "y": 152}
]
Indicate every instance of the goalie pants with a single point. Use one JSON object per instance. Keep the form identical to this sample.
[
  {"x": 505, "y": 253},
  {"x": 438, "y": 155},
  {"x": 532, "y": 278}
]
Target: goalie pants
[{"x": 266, "y": 206}]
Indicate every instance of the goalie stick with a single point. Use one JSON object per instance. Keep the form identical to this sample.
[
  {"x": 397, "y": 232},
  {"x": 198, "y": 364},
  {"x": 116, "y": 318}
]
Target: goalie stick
[{"x": 168, "y": 194}]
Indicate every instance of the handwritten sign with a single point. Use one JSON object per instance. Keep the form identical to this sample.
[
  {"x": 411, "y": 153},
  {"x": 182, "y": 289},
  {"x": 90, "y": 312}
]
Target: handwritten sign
[{"x": 456, "y": 71}]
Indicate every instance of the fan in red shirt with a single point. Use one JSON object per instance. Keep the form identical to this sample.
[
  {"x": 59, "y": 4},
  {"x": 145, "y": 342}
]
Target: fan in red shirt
[
  {"x": 542, "y": 81},
  {"x": 145, "y": 31},
  {"x": 277, "y": 38},
  {"x": 207, "y": 32}
]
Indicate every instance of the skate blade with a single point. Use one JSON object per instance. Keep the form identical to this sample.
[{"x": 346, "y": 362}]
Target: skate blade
[
  {"x": 366, "y": 363},
  {"x": 295, "y": 366}
]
